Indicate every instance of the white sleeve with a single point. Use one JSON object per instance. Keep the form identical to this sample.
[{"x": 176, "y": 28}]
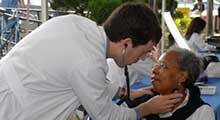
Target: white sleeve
[
  {"x": 91, "y": 88},
  {"x": 199, "y": 43},
  {"x": 205, "y": 112}
]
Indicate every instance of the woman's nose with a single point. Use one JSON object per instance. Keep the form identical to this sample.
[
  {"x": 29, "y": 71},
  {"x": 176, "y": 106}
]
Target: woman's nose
[{"x": 155, "y": 69}]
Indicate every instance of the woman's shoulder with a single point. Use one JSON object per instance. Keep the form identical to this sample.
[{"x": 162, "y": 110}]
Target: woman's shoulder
[
  {"x": 204, "y": 112},
  {"x": 195, "y": 34},
  {"x": 206, "y": 107},
  {"x": 195, "y": 37}
]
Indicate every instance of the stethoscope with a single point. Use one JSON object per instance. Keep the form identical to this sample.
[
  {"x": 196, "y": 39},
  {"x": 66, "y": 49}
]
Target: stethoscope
[
  {"x": 127, "y": 97},
  {"x": 126, "y": 74}
]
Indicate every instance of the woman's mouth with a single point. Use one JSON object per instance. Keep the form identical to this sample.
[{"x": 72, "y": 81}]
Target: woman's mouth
[{"x": 154, "y": 80}]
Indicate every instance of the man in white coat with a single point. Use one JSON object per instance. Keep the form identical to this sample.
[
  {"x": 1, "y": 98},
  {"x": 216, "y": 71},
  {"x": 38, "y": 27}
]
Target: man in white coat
[{"x": 62, "y": 65}]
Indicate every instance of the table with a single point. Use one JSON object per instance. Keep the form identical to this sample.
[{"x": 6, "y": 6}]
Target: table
[
  {"x": 213, "y": 100},
  {"x": 207, "y": 53}
]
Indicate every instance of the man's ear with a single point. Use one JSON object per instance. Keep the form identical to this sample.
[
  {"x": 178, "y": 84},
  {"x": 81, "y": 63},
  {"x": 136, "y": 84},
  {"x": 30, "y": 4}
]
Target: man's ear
[{"x": 127, "y": 42}]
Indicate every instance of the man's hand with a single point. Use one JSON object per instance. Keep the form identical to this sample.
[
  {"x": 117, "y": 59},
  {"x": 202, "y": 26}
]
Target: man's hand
[{"x": 159, "y": 104}]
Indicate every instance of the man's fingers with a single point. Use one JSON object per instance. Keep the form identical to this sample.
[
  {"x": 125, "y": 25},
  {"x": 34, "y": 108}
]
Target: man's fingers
[{"x": 174, "y": 96}]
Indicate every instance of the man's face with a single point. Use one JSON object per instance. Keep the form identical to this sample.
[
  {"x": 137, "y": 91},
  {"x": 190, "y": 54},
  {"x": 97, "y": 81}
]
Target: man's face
[
  {"x": 166, "y": 73},
  {"x": 132, "y": 55}
]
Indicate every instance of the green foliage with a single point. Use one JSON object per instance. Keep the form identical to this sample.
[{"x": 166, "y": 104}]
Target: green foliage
[
  {"x": 99, "y": 10},
  {"x": 56, "y": 4},
  {"x": 178, "y": 14},
  {"x": 171, "y": 5},
  {"x": 134, "y": 1},
  {"x": 182, "y": 24},
  {"x": 79, "y": 6}
]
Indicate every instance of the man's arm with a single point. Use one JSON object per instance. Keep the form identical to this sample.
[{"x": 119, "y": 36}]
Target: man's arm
[{"x": 91, "y": 89}]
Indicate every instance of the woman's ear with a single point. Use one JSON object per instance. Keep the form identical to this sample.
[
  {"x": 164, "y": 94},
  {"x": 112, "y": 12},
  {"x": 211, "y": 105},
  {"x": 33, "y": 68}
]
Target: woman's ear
[{"x": 183, "y": 76}]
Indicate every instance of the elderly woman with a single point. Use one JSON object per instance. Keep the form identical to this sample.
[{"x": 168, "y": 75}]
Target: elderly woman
[{"x": 177, "y": 71}]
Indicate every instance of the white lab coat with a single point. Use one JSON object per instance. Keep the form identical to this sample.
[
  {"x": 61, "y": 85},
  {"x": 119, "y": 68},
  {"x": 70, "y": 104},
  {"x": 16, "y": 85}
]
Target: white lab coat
[
  {"x": 137, "y": 71},
  {"x": 58, "y": 67}
]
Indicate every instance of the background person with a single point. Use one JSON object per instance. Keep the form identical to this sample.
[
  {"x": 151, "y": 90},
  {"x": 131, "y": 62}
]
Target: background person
[
  {"x": 193, "y": 36},
  {"x": 8, "y": 27},
  {"x": 199, "y": 7},
  {"x": 13, "y": 3},
  {"x": 62, "y": 65}
]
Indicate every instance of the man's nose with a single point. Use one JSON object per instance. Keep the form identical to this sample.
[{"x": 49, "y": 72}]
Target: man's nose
[{"x": 143, "y": 57}]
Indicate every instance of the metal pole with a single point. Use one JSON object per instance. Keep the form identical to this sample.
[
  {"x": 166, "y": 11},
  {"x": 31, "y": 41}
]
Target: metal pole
[
  {"x": 163, "y": 26},
  {"x": 2, "y": 31},
  {"x": 155, "y": 5},
  {"x": 151, "y": 4},
  {"x": 44, "y": 10},
  {"x": 209, "y": 27},
  {"x": 28, "y": 17}
]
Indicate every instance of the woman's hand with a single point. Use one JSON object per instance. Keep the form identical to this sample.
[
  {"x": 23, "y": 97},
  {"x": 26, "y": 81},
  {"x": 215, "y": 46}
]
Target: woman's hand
[{"x": 139, "y": 92}]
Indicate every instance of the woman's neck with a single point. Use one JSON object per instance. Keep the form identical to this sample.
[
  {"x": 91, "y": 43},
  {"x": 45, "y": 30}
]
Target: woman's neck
[{"x": 182, "y": 91}]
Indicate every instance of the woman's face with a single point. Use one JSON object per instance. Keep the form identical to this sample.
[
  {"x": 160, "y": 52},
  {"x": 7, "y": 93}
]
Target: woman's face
[{"x": 166, "y": 74}]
